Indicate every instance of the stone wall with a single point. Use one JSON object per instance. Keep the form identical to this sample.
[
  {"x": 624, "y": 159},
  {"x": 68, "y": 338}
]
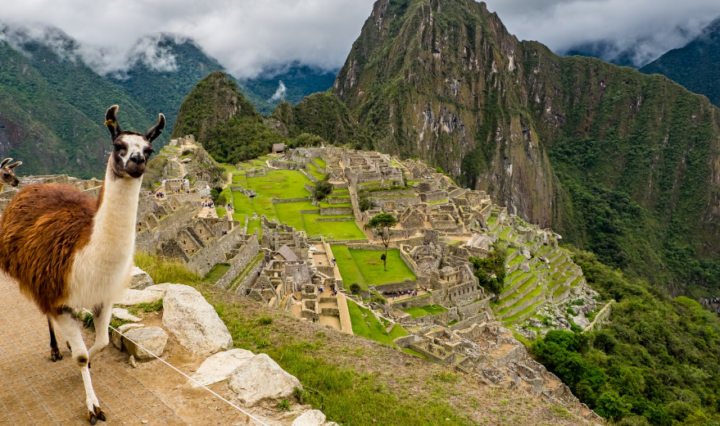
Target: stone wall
[
  {"x": 332, "y": 211},
  {"x": 244, "y": 256},
  {"x": 471, "y": 310},
  {"x": 288, "y": 200},
  {"x": 335, "y": 219},
  {"x": 601, "y": 317},
  {"x": 250, "y": 278},
  {"x": 204, "y": 259},
  {"x": 413, "y": 302}
]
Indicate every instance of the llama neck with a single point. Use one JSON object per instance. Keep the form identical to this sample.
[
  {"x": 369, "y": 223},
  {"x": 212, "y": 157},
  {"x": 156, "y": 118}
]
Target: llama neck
[{"x": 114, "y": 224}]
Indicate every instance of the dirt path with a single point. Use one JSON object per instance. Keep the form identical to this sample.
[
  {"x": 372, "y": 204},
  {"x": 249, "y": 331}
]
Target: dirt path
[{"x": 36, "y": 391}]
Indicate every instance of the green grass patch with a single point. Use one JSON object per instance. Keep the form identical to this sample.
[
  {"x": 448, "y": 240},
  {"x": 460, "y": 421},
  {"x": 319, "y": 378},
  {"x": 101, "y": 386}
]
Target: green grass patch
[
  {"x": 216, "y": 272},
  {"x": 443, "y": 201},
  {"x": 221, "y": 212},
  {"x": 376, "y": 330},
  {"x": 371, "y": 267},
  {"x": 349, "y": 271},
  {"x": 312, "y": 170},
  {"x": 417, "y": 312},
  {"x": 525, "y": 311},
  {"x": 164, "y": 271},
  {"x": 413, "y": 352},
  {"x": 505, "y": 232},
  {"x": 320, "y": 162}
]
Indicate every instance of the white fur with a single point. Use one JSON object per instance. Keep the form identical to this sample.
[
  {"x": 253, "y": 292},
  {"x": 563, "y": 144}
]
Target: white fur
[
  {"x": 101, "y": 271},
  {"x": 135, "y": 144}
]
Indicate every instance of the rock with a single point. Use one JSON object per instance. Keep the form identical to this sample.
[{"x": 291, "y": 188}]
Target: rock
[
  {"x": 261, "y": 379},
  {"x": 149, "y": 295},
  {"x": 581, "y": 321},
  {"x": 123, "y": 314},
  {"x": 153, "y": 339},
  {"x": 219, "y": 366},
  {"x": 194, "y": 322},
  {"x": 536, "y": 323},
  {"x": 310, "y": 418},
  {"x": 117, "y": 338},
  {"x": 140, "y": 279}
]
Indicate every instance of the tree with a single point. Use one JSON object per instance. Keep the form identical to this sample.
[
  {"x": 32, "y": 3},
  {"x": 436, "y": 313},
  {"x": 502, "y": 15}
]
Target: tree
[
  {"x": 490, "y": 271},
  {"x": 322, "y": 190},
  {"x": 382, "y": 223}
]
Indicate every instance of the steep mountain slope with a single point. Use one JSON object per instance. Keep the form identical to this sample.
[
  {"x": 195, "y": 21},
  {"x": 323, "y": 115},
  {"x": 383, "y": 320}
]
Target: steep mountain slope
[
  {"x": 695, "y": 66},
  {"x": 51, "y": 130},
  {"x": 223, "y": 121},
  {"x": 616, "y": 161}
]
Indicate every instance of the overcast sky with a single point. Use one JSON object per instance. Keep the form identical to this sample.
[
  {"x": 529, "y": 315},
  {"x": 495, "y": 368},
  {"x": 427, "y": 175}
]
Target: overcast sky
[{"x": 249, "y": 35}]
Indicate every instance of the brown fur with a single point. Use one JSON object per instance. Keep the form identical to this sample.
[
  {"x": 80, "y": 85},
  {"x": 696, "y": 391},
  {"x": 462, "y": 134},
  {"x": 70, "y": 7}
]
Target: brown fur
[{"x": 41, "y": 230}]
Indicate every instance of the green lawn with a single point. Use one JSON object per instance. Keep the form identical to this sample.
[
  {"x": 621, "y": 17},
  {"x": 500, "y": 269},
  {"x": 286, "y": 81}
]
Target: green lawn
[
  {"x": 320, "y": 162},
  {"x": 348, "y": 269},
  {"x": 280, "y": 184},
  {"x": 221, "y": 212},
  {"x": 417, "y": 312},
  {"x": 290, "y": 213},
  {"x": 371, "y": 267},
  {"x": 228, "y": 167},
  {"x": 217, "y": 272},
  {"x": 313, "y": 171},
  {"x": 376, "y": 330}
]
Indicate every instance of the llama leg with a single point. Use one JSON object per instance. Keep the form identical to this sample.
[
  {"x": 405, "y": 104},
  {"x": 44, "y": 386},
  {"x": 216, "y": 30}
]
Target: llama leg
[
  {"x": 102, "y": 337},
  {"x": 55, "y": 354},
  {"x": 71, "y": 330}
]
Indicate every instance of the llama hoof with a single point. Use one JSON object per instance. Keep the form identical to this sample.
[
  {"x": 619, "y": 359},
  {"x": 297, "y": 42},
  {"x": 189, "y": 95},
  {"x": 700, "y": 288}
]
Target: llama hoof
[
  {"x": 100, "y": 414},
  {"x": 55, "y": 355},
  {"x": 92, "y": 418}
]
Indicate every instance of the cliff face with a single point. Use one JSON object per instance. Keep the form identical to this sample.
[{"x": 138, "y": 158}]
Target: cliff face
[{"x": 619, "y": 162}]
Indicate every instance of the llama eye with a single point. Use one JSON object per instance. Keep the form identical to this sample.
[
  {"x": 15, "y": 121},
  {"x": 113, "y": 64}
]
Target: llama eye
[{"x": 7, "y": 174}]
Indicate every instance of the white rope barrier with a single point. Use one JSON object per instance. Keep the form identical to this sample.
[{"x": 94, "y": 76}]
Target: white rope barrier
[{"x": 195, "y": 381}]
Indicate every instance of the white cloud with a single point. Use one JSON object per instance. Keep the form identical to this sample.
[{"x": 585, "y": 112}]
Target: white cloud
[
  {"x": 648, "y": 27},
  {"x": 245, "y": 36},
  {"x": 279, "y": 93}
]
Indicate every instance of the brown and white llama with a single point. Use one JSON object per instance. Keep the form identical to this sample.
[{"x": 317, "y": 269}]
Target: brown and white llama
[
  {"x": 69, "y": 251},
  {"x": 7, "y": 173}
]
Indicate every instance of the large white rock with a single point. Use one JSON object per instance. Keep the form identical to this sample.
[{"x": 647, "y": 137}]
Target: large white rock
[
  {"x": 149, "y": 295},
  {"x": 149, "y": 339},
  {"x": 219, "y": 366},
  {"x": 261, "y": 379},
  {"x": 117, "y": 339},
  {"x": 140, "y": 279},
  {"x": 194, "y": 322},
  {"x": 310, "y": 418}
]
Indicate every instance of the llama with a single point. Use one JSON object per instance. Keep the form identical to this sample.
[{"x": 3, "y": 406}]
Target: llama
[
  {"x": 7, "y": 173},
  {"x": 69, "y": 251}
]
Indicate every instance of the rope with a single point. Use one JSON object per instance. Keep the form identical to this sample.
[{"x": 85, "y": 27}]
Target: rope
[{"x": 176, "y": 369}]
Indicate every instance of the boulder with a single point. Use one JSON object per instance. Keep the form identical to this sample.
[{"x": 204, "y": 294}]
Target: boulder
[
  {"x": 152, "y": 339},
  {"x": 261, "y": 379},
  {"x": 140, "y": 279},
  {"x": 193, "y": 321},
  {"x": 123, "y": 314},
  {"x": 117, "y": 339},
  {"x": 219, "y": 366},
  {"x": 148, "y": 295},
  {"x": 310, "y": 418}
]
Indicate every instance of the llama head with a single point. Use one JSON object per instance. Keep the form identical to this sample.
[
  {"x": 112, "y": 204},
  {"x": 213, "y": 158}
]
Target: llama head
[
  {"x": 131, "y": 150},
  {"x": 7, "y": 172}
]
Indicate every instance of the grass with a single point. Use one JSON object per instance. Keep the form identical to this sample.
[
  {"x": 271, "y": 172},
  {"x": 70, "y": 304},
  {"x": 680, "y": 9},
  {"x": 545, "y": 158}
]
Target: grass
[
  {"x": 290, "y": 213},
  {"x": 416, "y": 312},
  {"x": 504, "y": 234},
  {"x": 376, "y": 330},
  {"x": 525, "y": 311},
  {"x": 443, "y": 201},
  {"x": 221, "y": 212},
  {"x": 233, "y": 285},
  {"x": 312, "y": 170},
  {"x": 348, "y": 269},
  {"x": 371, "y": 267},
  {"x": 320, "y": 162},
  {"x": 216, "y": 272},
  {"x": 165, "y": 271},
  {"x": 413, "y": 352}
]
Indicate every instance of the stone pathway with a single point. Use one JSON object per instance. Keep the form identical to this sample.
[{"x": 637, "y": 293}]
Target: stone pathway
[{"x": 36, "y": 391}]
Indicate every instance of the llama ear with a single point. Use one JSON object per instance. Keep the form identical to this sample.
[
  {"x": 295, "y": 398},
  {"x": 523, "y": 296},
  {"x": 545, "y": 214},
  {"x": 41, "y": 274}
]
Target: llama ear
[
  {"x": 5, "y": 162},
  {"x": 15, "y": 164},
  {"x": 111, "y": 121},
  {"x": 156, "y": 130}
]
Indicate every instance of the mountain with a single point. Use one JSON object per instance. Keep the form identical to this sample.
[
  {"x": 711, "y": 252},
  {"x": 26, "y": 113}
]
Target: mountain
[
  {"x": 291, "y": 84},
  {"x": 224, "y": 121},
  {"x": 607, "y": 51},
  {"x": 617, "y": 162},
  {"x": 695, "y": 66}
]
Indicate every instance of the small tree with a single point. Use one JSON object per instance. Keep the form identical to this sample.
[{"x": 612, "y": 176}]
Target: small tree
[
  {"x": 382, "y": 223},
  {"x": 355, "y": 288},
  {"x": 322, "y": 190},
  {"x": 490, "y": 271}
]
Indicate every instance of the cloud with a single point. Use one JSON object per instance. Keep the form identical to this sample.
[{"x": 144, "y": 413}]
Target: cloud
[
  {"x": 644, "y": 28},
  {"x": 279, "y": 93},
  {"x": 245, "y": 36}
]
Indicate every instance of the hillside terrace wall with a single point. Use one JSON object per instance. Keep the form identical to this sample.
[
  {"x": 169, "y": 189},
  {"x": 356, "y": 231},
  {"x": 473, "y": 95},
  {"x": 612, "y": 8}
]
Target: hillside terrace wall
[
  {"x": 205, "y": 258},
  {"x": 333, "y": 211},
  {"x": 249, "y": 280},
  {"x": 601, "y": 317},
  {"x": 244, "y": 256},
  {"x": 473, "y": 309}
]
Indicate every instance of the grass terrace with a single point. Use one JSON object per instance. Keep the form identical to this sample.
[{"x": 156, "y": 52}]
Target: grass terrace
[
  {"x": 314, "y": 172},
  {"x": 216, "y": 272},
  {"x": 417, "y": 312},
  {"x": 365, "y": 267},
  {"x": 376, "y": 331},
  {"x": 320, "y": 162}
]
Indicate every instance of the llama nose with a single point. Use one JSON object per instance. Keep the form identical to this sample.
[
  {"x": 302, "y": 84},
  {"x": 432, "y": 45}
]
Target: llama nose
[{"x": 138, "y": 159}]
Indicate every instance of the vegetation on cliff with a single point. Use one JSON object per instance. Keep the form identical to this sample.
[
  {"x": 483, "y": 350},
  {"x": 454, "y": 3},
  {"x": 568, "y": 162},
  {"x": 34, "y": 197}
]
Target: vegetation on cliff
[{"x": 659, "y": 358}]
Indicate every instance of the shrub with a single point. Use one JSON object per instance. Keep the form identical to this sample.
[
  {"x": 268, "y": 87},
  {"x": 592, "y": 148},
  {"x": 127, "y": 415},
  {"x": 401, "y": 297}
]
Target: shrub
[
  {"x": 322, "y": 190},
  {"x": 365, "y": 204},
  {"x": 377, "y": 298},
  {"x": 264, "y": 320},
  {"x": 355, "y": 288}
]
